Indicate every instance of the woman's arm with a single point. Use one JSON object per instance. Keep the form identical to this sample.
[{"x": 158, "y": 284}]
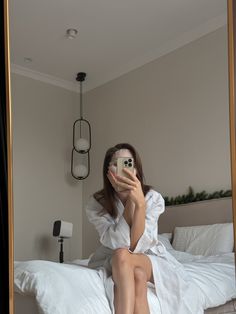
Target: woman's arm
[
  {"x": 135, "y": 218},
  {"x": 129, "y": 212},
  {"x": 138, "y": 226},
  {"x": 129, "y": 205},
  {"x": 113, "y": 233},
  {"x": 144, "y": 228},
  {"x": 136, "y": 197},
  {"x": 155, "y": 206}
]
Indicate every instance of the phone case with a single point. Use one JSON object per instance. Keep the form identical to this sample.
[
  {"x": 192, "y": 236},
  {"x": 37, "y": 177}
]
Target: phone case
[{"x": 124, "y": 162}]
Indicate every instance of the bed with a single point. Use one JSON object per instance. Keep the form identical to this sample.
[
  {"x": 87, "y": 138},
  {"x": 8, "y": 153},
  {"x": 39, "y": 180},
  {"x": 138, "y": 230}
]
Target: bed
[
  {"x": 200, "y": 213},
  {"x": 74, "y": 281}
]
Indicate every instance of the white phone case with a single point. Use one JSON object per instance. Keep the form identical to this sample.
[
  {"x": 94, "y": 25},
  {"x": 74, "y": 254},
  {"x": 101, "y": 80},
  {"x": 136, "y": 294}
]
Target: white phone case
[{"x": 124, "y": 162}]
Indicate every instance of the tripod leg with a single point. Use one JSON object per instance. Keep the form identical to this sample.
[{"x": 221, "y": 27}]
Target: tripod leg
[{"x": 61, "y": 255}]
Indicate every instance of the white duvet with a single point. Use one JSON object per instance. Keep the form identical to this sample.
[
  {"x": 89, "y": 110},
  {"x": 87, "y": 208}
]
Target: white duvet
[{"x": 73, "y": 289}]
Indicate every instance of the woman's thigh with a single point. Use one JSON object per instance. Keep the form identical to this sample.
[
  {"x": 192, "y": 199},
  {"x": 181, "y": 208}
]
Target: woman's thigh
[{"x": 144, "y": 262}]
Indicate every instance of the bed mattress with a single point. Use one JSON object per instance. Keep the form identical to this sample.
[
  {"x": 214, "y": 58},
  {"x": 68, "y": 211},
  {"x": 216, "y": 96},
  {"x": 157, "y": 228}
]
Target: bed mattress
[{"x": 28, "y": 305}]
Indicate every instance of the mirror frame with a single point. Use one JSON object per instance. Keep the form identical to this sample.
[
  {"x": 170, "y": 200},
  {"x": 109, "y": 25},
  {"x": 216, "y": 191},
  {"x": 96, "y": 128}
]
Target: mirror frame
[
  {"x": 6, "y": 286},
  {"x": 6, "y": 195},
  {"x": 232, "y": 104}
]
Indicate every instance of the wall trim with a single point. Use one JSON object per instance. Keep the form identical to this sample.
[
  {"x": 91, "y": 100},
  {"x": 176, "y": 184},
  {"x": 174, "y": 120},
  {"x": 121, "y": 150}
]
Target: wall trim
[{"x": 43, "y": 77}]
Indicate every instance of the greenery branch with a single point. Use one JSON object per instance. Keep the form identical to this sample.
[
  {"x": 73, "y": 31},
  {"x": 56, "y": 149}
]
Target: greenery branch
[{"x": 191, "y": 196}]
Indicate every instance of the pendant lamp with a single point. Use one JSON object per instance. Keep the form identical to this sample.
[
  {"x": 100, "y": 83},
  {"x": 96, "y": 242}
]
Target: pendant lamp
[{"x": 80, "y": 159}]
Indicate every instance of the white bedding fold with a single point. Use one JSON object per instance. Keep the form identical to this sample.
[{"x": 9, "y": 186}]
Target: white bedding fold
[
  {"x": 62, "y": 288},
  {"x": 73, "y": 289}
]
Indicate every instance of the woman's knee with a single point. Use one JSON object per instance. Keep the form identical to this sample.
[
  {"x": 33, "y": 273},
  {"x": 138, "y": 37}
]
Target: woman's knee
[
  {"x": 120, "y": 257},
  {"x": 140, "y": 278},
  {"x": 140, "y": 275}
]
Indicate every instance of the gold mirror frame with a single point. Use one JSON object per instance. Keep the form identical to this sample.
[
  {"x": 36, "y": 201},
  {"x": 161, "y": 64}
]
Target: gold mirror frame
[
  {"x": 9, "y": 208},
  {"x": 232, "y": 101}
]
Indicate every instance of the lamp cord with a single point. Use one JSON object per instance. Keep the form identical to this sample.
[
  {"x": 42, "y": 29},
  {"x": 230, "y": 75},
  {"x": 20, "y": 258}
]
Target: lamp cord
[
  {"x": 81, "y": 109},
  {"x": 81, "y": 102}
]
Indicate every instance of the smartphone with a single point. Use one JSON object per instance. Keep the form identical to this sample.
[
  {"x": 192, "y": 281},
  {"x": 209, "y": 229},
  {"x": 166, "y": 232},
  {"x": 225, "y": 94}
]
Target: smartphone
[{"x": 124, "y": 162}]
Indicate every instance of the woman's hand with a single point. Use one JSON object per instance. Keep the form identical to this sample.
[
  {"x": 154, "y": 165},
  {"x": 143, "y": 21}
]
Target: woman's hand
[
  {"x": 112, "y": 179},
  {"x": 133, "y": 185},
  {"x": 118, "y": 186}
]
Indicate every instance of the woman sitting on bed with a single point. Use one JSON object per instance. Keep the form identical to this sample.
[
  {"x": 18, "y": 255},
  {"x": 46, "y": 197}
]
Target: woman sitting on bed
[{"x": 125, "y": 214}]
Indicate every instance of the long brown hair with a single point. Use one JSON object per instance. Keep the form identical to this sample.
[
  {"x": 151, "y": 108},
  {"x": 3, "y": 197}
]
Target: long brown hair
[{"x": 107, "y": 196}]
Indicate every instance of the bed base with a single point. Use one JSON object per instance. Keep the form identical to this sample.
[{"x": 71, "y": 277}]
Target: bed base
[{"x": 28, "y": 305}]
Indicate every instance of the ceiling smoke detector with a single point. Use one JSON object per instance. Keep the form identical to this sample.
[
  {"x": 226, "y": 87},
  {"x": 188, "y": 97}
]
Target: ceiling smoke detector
[{"x": 71, "y": 33}]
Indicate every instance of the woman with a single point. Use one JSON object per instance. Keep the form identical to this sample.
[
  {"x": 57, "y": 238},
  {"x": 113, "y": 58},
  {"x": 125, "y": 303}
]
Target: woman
[
  {"x": 125, "y": 214},
  {"x": 131, "y": 232}
]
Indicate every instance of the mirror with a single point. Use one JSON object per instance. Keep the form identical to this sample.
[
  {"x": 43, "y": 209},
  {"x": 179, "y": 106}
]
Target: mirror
[{"x": 166, "y": 93}]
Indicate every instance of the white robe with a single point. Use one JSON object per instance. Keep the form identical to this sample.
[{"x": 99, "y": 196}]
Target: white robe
[{"x": 174, "y": 289}]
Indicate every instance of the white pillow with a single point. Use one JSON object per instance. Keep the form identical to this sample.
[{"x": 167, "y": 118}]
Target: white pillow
[
  {"x": 165, "y": 239},
  {"x": 204, "y": 240}
]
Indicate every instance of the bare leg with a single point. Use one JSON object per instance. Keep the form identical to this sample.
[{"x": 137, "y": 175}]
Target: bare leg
[
  {"x": 126, "y": 277},
  {"x": 123, "y": 277},
  {"x": 141, "y": 302}
]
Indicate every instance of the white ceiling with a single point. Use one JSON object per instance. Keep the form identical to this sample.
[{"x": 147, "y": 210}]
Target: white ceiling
[{"x": 114, "y": 37}]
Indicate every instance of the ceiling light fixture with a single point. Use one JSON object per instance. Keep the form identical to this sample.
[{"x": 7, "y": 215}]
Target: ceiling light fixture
[
  {"x": 80, "y": 159},
  {"x": 71, "y": 33}
]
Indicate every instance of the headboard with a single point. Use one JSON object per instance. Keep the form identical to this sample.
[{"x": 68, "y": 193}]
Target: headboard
[{"x": 197, "y": 213}]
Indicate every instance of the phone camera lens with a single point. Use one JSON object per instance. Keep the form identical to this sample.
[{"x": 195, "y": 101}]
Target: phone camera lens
[
  {"x": 130, "y": 164},
  {"x": 125, "y": 162},
  {"x": 130, "y": 160}
]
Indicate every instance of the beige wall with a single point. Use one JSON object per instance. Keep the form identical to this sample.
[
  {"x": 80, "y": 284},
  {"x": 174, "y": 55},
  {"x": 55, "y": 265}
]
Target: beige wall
[
  {"x": 174, "y": 110},
  {"x": 44, "y": 190}
]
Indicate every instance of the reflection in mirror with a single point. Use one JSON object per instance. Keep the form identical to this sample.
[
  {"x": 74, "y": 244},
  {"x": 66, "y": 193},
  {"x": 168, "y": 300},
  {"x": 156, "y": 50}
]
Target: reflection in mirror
[{"x": 158, "y": 79}]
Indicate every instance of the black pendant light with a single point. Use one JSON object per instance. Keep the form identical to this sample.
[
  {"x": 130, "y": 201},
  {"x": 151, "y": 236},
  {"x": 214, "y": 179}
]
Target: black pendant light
[{"x": 80, "y": 159}]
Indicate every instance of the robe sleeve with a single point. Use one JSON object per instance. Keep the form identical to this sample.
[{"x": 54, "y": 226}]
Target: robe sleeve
[
  {"x": 113, "y": 233},
  {"x": 155, "y": 207}
]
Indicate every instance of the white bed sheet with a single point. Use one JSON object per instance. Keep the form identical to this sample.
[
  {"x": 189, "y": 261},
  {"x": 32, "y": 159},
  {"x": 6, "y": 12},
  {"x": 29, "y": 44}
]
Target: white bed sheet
[
  {"x": 61, "y": 288},
  {"x": 213, "y": 275},
  {"x": 71, "y": 288}
]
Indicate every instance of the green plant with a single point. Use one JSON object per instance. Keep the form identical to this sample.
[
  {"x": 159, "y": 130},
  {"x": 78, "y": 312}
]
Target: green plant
[{"x": 191, "y": 196}]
